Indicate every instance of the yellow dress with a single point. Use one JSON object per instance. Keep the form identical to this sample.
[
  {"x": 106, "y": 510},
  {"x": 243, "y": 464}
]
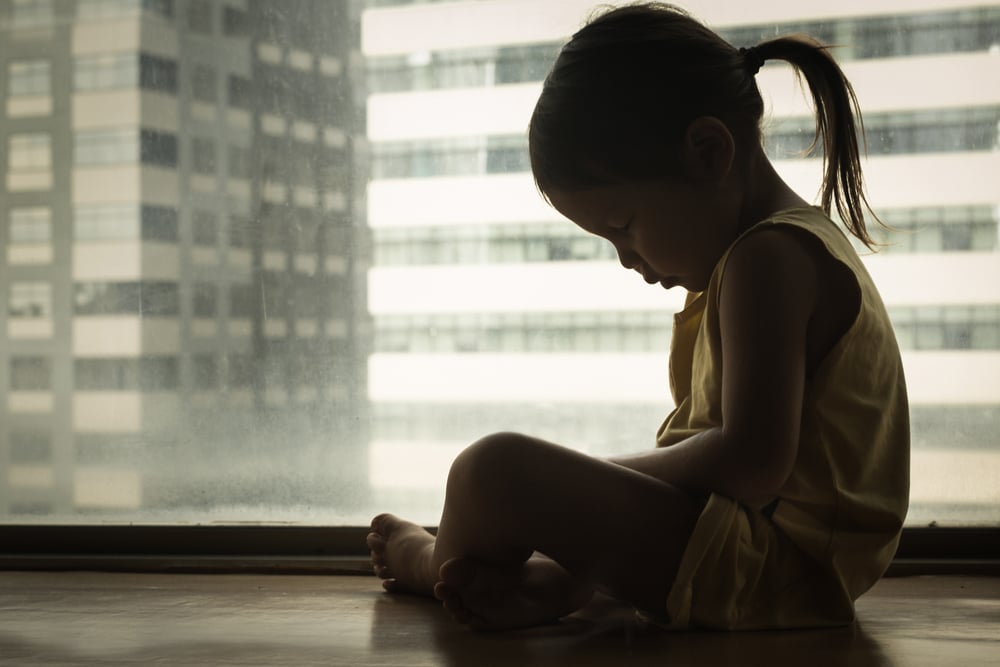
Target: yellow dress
[{"x": 800, "y": 559}]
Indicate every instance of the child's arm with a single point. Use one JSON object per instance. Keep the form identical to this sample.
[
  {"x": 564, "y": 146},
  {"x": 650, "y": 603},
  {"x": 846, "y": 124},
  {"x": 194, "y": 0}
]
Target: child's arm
[{"x": 768, "y": 296}]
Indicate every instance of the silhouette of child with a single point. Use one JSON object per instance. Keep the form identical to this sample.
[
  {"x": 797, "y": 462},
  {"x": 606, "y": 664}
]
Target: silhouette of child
[{"x": 778, "y": 487}]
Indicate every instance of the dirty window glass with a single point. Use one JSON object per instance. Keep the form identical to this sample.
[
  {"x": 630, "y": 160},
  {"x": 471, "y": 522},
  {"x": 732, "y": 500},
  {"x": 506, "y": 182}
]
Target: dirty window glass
[{"x": 270, "y": 261}]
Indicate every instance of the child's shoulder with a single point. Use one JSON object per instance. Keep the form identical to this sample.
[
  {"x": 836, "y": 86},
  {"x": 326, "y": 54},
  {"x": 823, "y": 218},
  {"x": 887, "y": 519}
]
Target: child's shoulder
[{"x": 796, "y": 266}]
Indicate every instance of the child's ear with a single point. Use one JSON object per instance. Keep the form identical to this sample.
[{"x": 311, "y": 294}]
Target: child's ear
[{"x": 708, "y": 149}]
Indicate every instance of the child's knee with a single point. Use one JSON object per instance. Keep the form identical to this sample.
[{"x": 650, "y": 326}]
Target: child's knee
[{"x": 488, "y": 463}]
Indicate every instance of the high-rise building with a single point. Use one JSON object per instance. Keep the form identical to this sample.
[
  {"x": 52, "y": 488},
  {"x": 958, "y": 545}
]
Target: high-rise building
[
  {"x": 494, "y": 313},
  {"x": 184, "y": 324}
]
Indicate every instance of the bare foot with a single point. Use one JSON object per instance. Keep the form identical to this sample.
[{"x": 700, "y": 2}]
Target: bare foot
[
  {"x": 537, "y": 592},
  {"x": 402, "y": 555}
]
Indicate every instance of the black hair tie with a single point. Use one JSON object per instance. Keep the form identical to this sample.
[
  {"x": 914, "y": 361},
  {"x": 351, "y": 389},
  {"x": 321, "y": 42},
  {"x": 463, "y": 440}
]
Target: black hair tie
[{"x": 752, "y": 60}]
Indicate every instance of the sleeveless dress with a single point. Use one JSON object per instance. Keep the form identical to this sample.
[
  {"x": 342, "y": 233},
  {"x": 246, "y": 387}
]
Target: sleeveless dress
[{"x": 802, "y": 558}]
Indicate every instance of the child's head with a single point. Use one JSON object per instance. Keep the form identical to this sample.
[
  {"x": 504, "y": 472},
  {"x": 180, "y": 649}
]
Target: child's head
[{"x": 623, "y": 92}]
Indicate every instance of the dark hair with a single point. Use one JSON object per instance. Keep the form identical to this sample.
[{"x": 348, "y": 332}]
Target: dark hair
[{"x": 624, "y": 89}]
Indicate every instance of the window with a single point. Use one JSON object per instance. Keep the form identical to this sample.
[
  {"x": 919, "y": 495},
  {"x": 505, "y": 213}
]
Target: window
[
  {"x": 96, "y": 10},
  {"x": 203, "y": 84},
  {"x": 199, "y": 16},
  {"x": 157, "y": 74},
  {"x": 159, "y": 223},
  {"x": 203, "y": 155},
  {"x": 30, "y": 373},
  {"x": 106, "y": 72},
  {"x": 30, "y": 447},
  {"x": 29, "y": 77},
  {"x": 239, "y": 94},
  {"x": 145, "y": 299},
  {"x": 106, "y": 147},
  {"x": 30, "y": 225},
  {"x": 240, "y": 165},
  {"x": 125, "y": 222},
  {"x": 235, "y": 22},
  {"x": 158, "y": 148},
  {"x": 32, "y": 13},
  {"x": 205, "y": 225},
  {"x": 30, "y": 300},
  {"x": 30, "y": 152},
  {"x": 143, "y": 374},
  {"x": 342, "y": 275},
  {"x": 204, "y": 301}
]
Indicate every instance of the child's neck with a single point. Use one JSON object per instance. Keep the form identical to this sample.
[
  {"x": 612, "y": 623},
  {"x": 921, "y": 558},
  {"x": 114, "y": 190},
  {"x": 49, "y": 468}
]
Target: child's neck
[{"x": 765, "y": 193}]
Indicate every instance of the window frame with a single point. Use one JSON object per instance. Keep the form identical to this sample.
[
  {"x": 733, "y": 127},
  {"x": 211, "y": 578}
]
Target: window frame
[{"x": 229, "y": 549}]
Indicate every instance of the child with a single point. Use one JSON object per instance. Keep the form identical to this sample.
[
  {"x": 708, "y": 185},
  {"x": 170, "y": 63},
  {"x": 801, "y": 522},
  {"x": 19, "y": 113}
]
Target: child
[{"x": 777, "y": 491}]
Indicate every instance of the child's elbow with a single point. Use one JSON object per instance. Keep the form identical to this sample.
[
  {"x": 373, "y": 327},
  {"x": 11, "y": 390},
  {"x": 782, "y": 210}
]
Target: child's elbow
[{"x": 763, "y": 470}]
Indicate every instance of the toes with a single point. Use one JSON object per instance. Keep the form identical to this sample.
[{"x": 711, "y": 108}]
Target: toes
[
  {"x": 384, "y": 523},
  {"x": 375, "y": 542}
]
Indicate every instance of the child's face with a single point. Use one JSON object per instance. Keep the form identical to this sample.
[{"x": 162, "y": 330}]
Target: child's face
[{"x": 671, "y": 233}]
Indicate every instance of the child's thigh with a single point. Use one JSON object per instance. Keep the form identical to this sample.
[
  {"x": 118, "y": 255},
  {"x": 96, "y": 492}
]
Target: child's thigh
[{"x": 618, "y": 528}]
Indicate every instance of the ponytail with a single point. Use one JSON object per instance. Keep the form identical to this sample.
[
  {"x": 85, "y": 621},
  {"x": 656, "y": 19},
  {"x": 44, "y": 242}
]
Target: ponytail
[{"x": 836, "y": 110}]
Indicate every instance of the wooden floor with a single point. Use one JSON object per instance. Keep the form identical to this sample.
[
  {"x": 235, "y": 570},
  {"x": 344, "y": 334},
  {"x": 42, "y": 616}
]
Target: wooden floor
[{"x": 137, "y": 619}]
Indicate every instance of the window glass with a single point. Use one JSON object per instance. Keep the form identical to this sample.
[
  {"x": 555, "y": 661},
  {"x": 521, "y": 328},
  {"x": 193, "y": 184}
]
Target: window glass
[
  {"x": 270, "y": 266},
  {"x": 29, "y": 77},
  {"x": 30, "y": 300},
  {"x": 30, "y": 225},
  {"x": 30, "y": 152}
]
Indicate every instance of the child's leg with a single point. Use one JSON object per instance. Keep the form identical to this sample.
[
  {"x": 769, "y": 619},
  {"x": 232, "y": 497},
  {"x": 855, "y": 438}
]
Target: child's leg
[{"x": 510, "y": 495}]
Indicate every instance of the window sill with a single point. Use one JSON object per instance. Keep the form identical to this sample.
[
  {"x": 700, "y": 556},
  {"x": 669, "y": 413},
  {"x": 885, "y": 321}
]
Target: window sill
[{"x": 342, "y": 550}]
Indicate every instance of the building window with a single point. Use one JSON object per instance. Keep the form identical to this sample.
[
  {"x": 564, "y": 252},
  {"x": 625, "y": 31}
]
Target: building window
[
  {"x": 32, "y": 13},
  {"x": 159, "y": 223},
  {"x": 239, "y": 92},
  {"x": 235, "y": 22},
  {"x": 203, "y": 155},
  {"x": 30, "y": 300},
  {"x": 30, "y": 225},
  {"x": 242, "y": 301},
  {"x": 30, "y": 373},
  {"x": 206, "y": 371},
  {"x": 29, "y": 77},
  {"x": 106, "y": 222},
  {"x": 239, "y": 231},
  {"x": 587, "y": 332},
  {"x": 205, "y": 299},
  {"x": 942, "y": 229},
  {"x": 27, "y": 447},
  {"x": 144, "y": 299},
  {"x": 106, "y": 147},
  {"x": 106, "y": 72},
  {"x": 157, "y": 74},
  {"x": 495, "y": 244},
  {"x": 142, "y": 374},
  {"x": 30, "y": 152},
  {"x": 158, "y": 148},
  {"x": 205, "y": 228},
  {"x": 115, "y": 9},
  {"x": 123, "y": 146},
  {"x": 199, "y": 16},
  {"x": 240, "y": 165},
  {"x": 125, "y": 222},
  {"x": 203, "y": 84}
]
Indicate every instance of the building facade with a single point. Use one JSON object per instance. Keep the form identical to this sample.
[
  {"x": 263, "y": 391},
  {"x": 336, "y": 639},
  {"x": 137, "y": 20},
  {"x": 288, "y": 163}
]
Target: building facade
[
  {"x": 184, "y": 325},
  {"x": 494, "y": 313}
]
